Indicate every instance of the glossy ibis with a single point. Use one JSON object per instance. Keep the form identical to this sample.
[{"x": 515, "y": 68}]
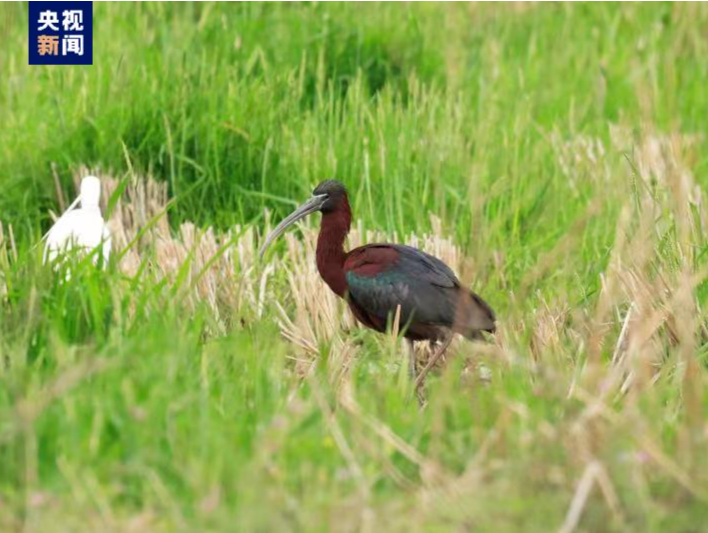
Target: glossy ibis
[{"x": 378, "y": 278}]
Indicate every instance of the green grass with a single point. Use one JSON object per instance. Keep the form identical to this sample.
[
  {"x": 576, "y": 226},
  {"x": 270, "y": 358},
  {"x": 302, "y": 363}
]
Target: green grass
[{"x": 562, "y": 146}]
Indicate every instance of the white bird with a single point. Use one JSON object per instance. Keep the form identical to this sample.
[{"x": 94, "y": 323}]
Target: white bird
[{"x": 82, "y": 228}]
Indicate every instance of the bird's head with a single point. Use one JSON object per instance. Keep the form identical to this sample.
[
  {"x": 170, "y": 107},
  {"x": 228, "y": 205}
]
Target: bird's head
[
  {"x": 334, "y": 194},
  {"x": 327, "y": 197},
  {"x": 90, "y": 192}
]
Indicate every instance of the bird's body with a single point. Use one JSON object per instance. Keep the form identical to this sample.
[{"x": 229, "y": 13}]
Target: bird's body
[
  {"x": 81, "y": 229},
  {"x": 381, "y": 277},
  {"x": 377, "y": 279}
]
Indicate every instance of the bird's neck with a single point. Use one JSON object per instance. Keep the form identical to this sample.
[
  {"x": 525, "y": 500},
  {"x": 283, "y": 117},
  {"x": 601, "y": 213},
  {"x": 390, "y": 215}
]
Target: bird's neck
[{"x": 330, "y": 247}]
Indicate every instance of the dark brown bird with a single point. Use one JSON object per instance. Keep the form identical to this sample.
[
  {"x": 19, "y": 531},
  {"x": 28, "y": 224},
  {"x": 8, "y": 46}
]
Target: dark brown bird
[{"x": 376, "y": 279}]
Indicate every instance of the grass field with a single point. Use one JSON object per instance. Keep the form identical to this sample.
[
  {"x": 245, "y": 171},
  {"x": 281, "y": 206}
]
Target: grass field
[{"x": 555, "y": 155}]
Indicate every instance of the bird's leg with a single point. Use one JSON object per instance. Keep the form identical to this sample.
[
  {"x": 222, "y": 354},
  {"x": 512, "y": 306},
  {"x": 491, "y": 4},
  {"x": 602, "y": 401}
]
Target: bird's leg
[
  {"x": 433, "y": 359},
  {"x": 411, "y": 359},
  {"x": 413, "y": 372}
]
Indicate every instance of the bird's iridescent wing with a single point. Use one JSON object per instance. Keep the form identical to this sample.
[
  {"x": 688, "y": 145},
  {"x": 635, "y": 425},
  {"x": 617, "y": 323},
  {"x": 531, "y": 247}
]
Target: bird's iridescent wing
[{"x": 382, "y": 277}]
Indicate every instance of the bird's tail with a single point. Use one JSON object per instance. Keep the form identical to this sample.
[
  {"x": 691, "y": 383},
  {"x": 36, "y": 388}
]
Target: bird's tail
[{"x": 474, "y": 315}]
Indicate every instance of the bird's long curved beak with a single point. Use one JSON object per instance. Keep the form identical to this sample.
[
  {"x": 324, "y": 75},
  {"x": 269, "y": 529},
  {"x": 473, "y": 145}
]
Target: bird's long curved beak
[{"x": 309, "y": 207}]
